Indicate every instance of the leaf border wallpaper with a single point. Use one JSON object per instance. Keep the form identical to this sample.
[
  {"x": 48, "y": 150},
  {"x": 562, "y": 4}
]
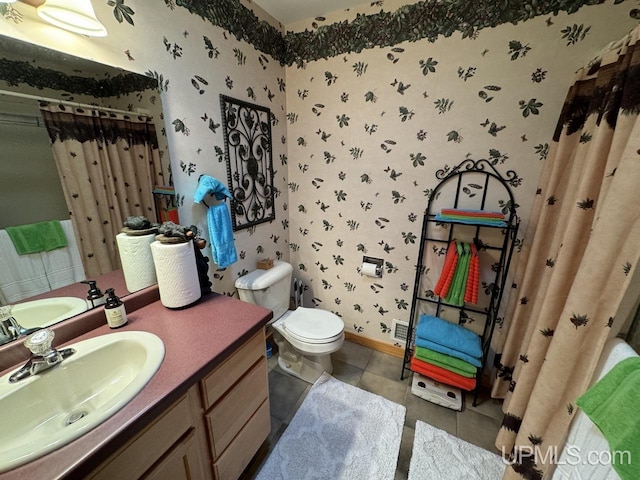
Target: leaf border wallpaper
[{"x": 367, "y": 104}]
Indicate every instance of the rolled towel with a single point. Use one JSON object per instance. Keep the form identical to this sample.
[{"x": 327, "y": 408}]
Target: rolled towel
[
  {"x": 441, "y": 375},
  {"x": 450, "y": 335},
  {"x": 454, "y": 364}
]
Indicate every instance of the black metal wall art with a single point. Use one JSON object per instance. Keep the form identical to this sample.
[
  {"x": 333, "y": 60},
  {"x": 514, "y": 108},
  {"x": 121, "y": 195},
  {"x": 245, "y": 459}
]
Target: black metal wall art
[{"x": 248, "y": 152}]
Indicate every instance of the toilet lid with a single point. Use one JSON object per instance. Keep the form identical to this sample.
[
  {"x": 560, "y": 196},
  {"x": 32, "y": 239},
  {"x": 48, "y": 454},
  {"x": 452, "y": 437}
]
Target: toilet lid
[{"x": 313, "y": 324}]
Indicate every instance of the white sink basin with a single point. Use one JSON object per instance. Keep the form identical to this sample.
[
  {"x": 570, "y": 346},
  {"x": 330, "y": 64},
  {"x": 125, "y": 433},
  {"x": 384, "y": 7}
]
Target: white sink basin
[
  {"x": 43, "y": 412},
  {"x": 47, "y": 311}
]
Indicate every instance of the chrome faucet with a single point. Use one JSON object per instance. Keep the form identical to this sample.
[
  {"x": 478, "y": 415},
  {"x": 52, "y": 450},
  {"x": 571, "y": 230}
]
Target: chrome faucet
[
  {"x": 9, "y": 329},
  {"x": 43, "y": 355}
]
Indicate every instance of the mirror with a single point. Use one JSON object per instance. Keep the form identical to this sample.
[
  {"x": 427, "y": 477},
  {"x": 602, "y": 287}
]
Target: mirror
[{"x": 29, "y": 185}]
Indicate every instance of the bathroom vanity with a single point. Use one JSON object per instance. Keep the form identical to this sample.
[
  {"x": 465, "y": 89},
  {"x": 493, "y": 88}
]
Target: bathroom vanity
[{"x": 204, "y": 414}]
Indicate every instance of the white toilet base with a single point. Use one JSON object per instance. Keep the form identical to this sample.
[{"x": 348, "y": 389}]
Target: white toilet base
[
  {"x": 306, "y": 367},
  {"x": 306, "y": 370}
]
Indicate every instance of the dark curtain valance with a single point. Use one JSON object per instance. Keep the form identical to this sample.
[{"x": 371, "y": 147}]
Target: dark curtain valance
[
  {"x": 83, "y": 124},
  {"x": 607, "y": 92}
]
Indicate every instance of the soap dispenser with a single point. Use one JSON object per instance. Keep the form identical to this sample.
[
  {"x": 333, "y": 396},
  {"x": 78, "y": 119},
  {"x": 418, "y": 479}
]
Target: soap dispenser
[
  {"x": 95, "y": 297},
  {"x": 114, "y": 310}
]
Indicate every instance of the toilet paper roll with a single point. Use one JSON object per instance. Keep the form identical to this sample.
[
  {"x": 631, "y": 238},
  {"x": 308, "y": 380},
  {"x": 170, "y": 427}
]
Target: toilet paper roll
[
  {"x": 369, "y": 269},
  {"x": 177, "y": 273},
  {"x": 136, "y": 260}
]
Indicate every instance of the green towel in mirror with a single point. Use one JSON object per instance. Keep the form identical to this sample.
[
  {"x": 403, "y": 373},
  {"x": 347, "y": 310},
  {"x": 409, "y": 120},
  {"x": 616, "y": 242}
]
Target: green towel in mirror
[{"x": 37, "y": 237}]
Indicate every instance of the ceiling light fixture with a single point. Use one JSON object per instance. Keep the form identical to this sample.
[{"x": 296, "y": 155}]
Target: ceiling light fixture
[{"x": 74, "y": 15}]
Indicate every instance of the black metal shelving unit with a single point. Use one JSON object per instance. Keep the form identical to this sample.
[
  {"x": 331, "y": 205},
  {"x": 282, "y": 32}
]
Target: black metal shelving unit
[{"x": 476, "y": 184}]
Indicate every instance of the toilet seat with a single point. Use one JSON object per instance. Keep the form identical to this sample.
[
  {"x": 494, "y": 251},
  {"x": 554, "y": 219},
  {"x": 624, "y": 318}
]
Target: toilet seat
[
  {"x": 306, "y": 338},
  {"x": 311, "y": 325}
]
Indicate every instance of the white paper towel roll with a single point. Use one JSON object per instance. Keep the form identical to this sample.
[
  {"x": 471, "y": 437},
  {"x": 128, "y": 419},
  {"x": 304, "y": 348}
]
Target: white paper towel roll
[
  {"x": 177, "y": 273},
  {"x": 136, "y": 260},
  {"x": 369, "y": 269}
]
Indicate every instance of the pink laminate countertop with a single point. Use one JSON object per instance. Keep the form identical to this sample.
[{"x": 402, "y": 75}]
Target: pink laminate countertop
[
  {"x": 14, "y": 352},
  {"x": 197, "y": 339}
]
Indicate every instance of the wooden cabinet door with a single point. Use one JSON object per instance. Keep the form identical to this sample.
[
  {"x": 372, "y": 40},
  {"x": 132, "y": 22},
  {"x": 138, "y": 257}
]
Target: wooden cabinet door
[{"x": 183, "y": 462}]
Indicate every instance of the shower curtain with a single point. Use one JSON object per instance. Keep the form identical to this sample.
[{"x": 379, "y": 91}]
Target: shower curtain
[
  {"x": 585, "y": 232},
  {"x": 107, "y": 164}
]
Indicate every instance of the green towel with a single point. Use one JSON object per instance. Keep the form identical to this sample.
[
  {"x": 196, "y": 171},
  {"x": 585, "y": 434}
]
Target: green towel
[
  {"x": 457, "y": 275},
  {"x": 613, "y": 404},
  {"x": 447, "y": 362},
  {"x": 455, "y": 296},
  {"x": 37, "y": 237}
]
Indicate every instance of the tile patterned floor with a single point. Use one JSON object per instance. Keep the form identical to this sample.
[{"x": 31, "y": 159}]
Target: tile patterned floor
[{"x": 379, "y": 373}]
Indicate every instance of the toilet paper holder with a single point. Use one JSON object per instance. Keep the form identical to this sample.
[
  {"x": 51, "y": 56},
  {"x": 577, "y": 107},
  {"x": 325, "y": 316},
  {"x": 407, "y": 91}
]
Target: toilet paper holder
[{"x": 372, "y": 266}]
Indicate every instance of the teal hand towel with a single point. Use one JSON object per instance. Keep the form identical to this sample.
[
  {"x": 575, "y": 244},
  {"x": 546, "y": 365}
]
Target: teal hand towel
[
  {"x": 220, "y": 227},
  {"x": 37, "y": 237},
  {"x": 221, "y": 233},
  {"x": 612, "y": 404}
]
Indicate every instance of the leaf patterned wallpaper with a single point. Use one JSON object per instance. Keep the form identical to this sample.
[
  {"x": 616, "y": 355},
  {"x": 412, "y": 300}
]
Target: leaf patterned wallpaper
[
  {"x": 359, "y": 124},
  {"x": 369, "y": 127}
]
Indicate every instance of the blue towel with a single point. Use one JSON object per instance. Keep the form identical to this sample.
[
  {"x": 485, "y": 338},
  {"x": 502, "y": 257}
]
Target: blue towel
[
  {"x": 450, "y": 335},
  {"x": 210, "y": 186},
  {"x": 221, "y": 234},
  {"x": 220, "y": 229},
  {"x": 421, "y": 342}
]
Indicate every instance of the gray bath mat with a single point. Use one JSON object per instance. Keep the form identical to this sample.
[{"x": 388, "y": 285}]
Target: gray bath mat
[
  {"x": 437, "y": 455},
  {"x": 339, "y": 432}
]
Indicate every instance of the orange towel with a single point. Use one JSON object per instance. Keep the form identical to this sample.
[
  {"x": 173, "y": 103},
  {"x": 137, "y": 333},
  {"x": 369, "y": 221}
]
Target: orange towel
[
  {"x": 446, "y": 277},
  {"x": 472, "y": 213},
  {"x": 442, "y": 375},
  {"x": 473, "y": 280}
]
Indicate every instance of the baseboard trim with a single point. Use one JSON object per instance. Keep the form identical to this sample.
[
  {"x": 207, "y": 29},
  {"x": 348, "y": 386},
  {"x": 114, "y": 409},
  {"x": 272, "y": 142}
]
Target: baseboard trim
[
  {"x": 395, "y": 351},
  {"x": 375, "y": 344}
]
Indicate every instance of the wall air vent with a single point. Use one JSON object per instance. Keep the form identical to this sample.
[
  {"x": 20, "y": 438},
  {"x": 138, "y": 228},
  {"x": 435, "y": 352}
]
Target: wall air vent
[{"x": 399, "y": 330}]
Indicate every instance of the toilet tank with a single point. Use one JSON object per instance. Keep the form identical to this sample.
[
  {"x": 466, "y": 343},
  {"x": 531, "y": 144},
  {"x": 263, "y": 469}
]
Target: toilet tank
[{"x": 268, "y": 288}]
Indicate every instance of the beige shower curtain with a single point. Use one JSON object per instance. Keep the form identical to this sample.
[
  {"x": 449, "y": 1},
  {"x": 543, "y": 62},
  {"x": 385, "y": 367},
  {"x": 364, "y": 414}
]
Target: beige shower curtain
[
  {"x": 585, "y": 233},
  {"x": 107, "y": 164}
]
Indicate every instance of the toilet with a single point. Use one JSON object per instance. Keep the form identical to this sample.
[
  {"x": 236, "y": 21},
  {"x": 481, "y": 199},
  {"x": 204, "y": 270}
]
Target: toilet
[{"x": 306, "y": 337}]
